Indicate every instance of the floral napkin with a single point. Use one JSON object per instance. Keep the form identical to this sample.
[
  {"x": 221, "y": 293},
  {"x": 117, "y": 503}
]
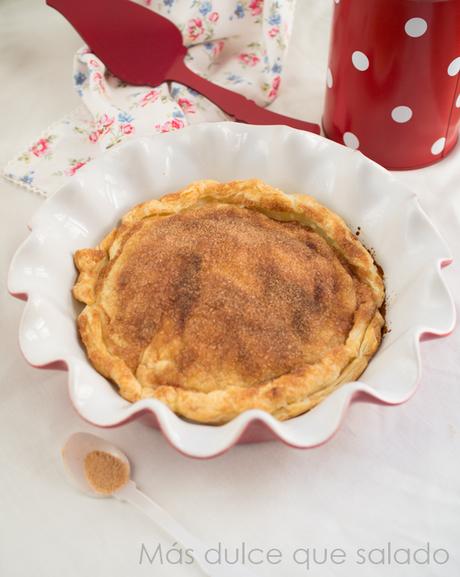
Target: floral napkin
[{"x": 239, "y": 44}]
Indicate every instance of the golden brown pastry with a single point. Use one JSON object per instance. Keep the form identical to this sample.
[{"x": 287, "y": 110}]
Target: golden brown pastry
[{"x": 225, "y": 297}]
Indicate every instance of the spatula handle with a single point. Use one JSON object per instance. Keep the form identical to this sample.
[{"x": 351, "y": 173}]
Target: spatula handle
[
  {"x": 234, "y": 104},
  {"x": 196, "y": 550}
]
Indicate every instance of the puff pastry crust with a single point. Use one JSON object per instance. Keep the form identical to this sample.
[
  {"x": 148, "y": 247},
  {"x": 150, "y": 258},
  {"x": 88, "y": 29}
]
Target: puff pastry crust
[{"x": 224, "y": 297}]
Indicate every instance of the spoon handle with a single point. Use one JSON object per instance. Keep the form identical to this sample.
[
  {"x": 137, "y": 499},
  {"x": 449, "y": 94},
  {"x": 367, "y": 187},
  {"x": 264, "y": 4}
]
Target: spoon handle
[
  {"x": 131, "y": 494},
  {"x": 232, "y": 103}
]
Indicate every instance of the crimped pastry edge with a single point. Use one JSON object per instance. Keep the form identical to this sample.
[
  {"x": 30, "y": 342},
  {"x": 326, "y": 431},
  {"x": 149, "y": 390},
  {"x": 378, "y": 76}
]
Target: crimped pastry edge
[{"x": 285, "y": 396}]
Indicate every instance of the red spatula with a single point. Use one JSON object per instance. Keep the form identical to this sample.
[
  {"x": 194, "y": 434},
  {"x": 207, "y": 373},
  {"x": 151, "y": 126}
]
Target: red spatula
[{"x": 143, "y": 48}]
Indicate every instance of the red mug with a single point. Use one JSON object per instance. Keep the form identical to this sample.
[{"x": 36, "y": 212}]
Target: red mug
[{"x": 393, "y": 82}]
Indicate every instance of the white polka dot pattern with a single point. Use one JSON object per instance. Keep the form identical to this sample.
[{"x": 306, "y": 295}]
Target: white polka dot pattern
[
  {"x": 401, "y": 114},
  {"x": 416, "y": 27},
  {"x": 454, "y": 67},
  {"x": 351, "y": 140},
  {"x": 393, "y": 80},
  {"x": 360, "y": 60},
  {"x": 438, "y": 146}
]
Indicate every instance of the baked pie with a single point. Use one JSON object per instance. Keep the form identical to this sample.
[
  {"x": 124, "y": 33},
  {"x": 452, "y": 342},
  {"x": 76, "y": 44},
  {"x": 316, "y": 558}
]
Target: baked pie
[{"x": 224, "y": 297}]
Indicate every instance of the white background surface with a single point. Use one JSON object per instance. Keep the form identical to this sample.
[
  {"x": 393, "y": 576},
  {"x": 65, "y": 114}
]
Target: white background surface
[{"x": 391, "y": 474}]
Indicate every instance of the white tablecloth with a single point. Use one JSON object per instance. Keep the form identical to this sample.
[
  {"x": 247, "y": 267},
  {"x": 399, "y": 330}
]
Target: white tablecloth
[{"x": 390, "y": 475}]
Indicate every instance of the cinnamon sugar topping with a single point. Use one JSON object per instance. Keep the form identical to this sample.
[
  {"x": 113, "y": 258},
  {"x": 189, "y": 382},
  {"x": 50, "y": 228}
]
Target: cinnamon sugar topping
[{"x": 105, "y": 472}]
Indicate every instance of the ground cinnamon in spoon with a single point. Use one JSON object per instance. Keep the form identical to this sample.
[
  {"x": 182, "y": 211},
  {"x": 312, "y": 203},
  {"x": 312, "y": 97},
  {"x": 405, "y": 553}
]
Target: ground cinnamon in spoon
[{"x": 105, "y": 472}]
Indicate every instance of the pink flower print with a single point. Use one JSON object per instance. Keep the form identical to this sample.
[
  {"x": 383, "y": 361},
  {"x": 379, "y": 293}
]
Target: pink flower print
[
  {"x": 177, "y": 123},
  {"x": 97, "y": 79},
  {"x": 94, "y": 62},
  {"x": 217, "y": 48},
  {"x": 169, "y": 125},
  {"x": 186, "y": 105},
  {"x": 72, "y": 170},
  {"x": 250, "y": 59},
  {"x": 195, "y": 28},
  {"x": 40, "y": 147},
  {"x": 273, "y": 31},
  {"x": 213, "y": 17},
  {"x": 161, "y": 127},
  {"x": 127, "y": 128},
  {"x": 149, "y": 97},
  {"x": 74, "y": 165},
  {"x": 106, "y": 121},
  {"x": 255, "y": 7},
  {"x": 94, "y": 136},
  {"x": 275, "y": 87}
]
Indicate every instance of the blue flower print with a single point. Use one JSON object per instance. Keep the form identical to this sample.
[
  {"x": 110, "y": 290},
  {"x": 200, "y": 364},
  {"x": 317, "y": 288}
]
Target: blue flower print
[
  {"x": 124, "y": 117},
  {"x": 27, "y": 178},
  {"x": 79, "y": 78},
  {"x": 274, "y": 19},
  {"x": 205, "y": 8},
  {"x": 234, "y": 79},
  {"x": 239, "y": 10}
]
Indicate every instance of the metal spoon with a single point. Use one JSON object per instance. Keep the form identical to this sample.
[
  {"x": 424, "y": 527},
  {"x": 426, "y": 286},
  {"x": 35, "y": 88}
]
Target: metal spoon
[{"x": 73, "y": 455}]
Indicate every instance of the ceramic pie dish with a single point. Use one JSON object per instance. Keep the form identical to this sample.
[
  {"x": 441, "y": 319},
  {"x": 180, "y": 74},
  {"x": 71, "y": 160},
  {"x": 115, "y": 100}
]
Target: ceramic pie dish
[{"x": 384, "y": 213}]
